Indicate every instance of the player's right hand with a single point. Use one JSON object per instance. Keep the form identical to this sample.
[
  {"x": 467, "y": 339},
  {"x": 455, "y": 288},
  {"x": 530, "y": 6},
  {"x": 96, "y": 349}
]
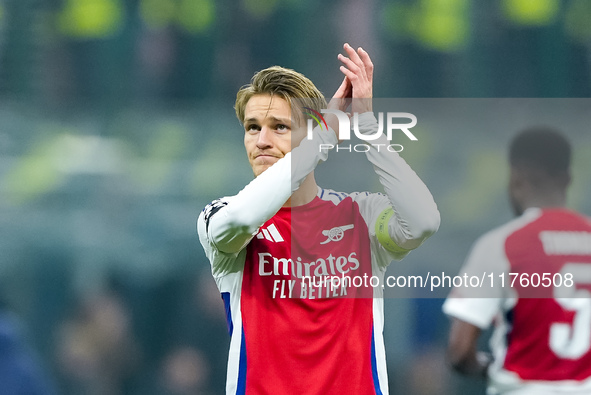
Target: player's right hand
[
  {"x": 358, "y": 68},
  {"x": 340, "y": 101},
  {"x": 357, "y": 85}
]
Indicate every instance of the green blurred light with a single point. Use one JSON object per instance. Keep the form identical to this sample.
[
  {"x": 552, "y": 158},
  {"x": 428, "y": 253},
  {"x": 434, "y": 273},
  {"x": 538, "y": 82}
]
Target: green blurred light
[
  {"x": 577, "y": 20},
  {"x": 170, "y": 142},
  {"x": 196, "y": 16},
  {"x": 531, "y": 12},
  {"x": 157, "y": 14},
  {"x": 91, "y": 18},
  {"x": 165, "y": 147},
  {"x": 259, "y": 9},
  {"x": 210, "y": 173},
  {"x": 443, "y": 32},
  {"x": 34, "y": 174},
  {"x": 442, "y": 25},
  {"x": 395, "y": 19}
]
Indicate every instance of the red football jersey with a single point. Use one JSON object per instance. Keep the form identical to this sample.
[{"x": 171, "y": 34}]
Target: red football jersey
[
  {"x": 301, "y": 285},
  {"x": 303, "y": 315},
  {"x": 542, "y": 312}
]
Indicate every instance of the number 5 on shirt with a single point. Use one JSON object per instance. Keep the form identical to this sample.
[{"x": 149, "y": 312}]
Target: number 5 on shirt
[{"x": 573, "y": 341}]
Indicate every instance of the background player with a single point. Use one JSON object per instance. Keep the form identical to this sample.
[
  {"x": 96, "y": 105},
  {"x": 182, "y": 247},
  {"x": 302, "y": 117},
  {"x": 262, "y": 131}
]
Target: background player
[
  {"x": 542, "y": 338},
  {"x": 287, "y": 337}
]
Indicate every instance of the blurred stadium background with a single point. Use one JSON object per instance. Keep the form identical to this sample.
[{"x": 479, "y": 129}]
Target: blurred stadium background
[{"x": 117, "y": 128}]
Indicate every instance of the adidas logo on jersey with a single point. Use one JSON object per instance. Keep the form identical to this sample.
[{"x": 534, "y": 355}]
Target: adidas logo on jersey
[
  {"x": 336, "y": 234},
  {"x": 271, "y": 234}
]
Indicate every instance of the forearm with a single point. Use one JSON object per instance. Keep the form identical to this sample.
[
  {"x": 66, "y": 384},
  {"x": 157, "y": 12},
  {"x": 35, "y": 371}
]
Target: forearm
[
  {"x": 474, "y": 364},
  {"x": 233, "y": 225},
  {"x": 462, "y": 352},
  {"x": 416, "y": 215}
]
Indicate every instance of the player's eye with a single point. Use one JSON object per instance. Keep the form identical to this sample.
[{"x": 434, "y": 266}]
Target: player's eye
[
  {"x": 282, "y": 128},
  {"x": 252, "y": 128}
]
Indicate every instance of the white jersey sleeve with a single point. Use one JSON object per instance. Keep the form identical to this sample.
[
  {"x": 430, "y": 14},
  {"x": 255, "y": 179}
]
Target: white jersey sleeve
[
  {"x": 479, "y": 306},
  {"x": 228, "y": 224},
  {"x": 412, "y": 216},
  {"x": 486, "y": 256}
]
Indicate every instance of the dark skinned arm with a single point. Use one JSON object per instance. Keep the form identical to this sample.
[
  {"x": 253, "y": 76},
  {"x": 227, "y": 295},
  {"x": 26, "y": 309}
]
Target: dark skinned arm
[{"x": 461, "y": 350}]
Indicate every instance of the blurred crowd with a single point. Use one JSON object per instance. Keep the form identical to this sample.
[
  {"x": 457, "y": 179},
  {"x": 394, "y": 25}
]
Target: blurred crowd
[
  {"x": 113, "y": 53},
  {"x": 117, "y": 340}
]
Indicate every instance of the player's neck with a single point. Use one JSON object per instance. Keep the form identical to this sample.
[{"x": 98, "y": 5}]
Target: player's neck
[
  {"x": 556, "y": 199},
  {"x": 305, "y": 193}
]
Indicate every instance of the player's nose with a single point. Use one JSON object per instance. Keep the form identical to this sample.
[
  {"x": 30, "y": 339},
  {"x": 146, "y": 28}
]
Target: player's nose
[{"x": 265, "y": 138}]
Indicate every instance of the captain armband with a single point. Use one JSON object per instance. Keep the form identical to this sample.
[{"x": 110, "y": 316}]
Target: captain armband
[{"x": 383, "y": 234}]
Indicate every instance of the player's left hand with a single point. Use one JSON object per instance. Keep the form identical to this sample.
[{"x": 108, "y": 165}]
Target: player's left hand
[{"x": 358, "y": 69}]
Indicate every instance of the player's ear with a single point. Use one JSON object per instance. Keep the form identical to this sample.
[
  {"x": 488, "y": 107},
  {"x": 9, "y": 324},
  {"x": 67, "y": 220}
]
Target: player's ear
[
  {"x": 515, "y": 178},
  {"x": 520, "y": 177},
  {"x": 518, "y": 183}
]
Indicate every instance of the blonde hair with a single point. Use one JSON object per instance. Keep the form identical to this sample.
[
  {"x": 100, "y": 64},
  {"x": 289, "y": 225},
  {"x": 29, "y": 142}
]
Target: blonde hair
[{"x": 285, "y": 83}]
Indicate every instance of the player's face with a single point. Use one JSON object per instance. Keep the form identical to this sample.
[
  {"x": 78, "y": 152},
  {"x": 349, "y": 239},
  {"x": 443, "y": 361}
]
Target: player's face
[{"x": 268, "y": 134}]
